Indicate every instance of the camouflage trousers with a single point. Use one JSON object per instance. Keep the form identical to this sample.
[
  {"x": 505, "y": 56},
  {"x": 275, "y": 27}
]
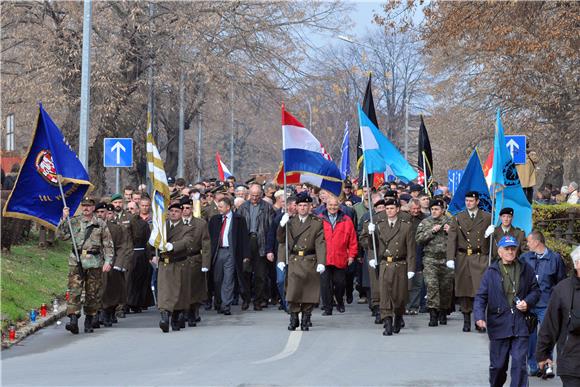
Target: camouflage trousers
[
  {"x": 91, "y": 285},
  {"x": 439, "y": 282}
]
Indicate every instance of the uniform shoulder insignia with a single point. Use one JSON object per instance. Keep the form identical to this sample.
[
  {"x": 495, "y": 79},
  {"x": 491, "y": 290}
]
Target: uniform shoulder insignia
[{"x": 314, "y": 217}]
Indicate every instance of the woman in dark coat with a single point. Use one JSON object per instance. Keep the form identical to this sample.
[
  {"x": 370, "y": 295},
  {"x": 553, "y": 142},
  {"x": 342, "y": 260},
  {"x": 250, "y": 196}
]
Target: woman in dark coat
[{"x": 557, "y": 325}]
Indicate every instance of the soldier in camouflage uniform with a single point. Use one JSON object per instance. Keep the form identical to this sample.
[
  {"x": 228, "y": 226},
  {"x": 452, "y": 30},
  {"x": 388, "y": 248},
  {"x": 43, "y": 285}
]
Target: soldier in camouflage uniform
[
  {"x": 432, "y": 234},
  {"x": 95, "y": 249}
]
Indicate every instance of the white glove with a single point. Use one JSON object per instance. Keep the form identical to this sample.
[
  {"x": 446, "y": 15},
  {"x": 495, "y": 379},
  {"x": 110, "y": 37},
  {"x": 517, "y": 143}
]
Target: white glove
[
  {"x": 320, "y": 268},
  {"x": 285, "y": 219},
  {"x": 204, "y": 269},
  {"x": 281, "y": 266},
  {"x": 489, "y": 230},
  {"x": 450, "y": 264},
  {"x": 169, "y": 246},
  {"x": 373, "y": 263},
  {"x": 410, "y": 274},
  {"x": 371, "y": 228}
]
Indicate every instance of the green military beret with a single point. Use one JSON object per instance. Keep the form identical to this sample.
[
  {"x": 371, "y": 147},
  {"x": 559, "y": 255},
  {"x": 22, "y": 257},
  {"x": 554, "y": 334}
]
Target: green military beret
[{"x": 116, "y": 196}]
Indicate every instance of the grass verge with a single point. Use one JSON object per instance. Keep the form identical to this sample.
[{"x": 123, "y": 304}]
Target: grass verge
[{"x": 31, "y": 276}]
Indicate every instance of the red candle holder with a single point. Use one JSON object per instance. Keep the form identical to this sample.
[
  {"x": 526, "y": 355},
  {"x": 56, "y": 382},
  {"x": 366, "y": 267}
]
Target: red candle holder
[
  {"x": 67, "y": 296},
  {"x": 43, "y": 310},
  {"x": 12, "y": 333}
]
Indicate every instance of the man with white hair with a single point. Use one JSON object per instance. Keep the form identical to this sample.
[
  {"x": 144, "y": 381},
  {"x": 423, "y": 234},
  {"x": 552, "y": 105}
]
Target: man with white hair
[{"x": 573, "y": 193}]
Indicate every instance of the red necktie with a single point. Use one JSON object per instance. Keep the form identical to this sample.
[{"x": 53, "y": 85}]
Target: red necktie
[{"x": 224, "y": 220}]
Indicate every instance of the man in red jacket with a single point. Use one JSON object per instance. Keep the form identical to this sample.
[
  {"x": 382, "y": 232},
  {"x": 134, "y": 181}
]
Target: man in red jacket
[{"x": 341, "y": 250}]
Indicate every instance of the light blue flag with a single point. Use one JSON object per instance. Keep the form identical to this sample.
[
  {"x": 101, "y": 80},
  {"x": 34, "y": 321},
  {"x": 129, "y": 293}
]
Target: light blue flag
[
  {"x": 345, "y": 157},
  {"x": 472, "y": 180},
  {"x": 505, "y": 184},
  {"x": 380, "y": 154}
]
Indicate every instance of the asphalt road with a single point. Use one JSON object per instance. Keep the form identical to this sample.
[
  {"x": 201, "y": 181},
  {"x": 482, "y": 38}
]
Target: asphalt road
[{"x": 254, "y": 348}]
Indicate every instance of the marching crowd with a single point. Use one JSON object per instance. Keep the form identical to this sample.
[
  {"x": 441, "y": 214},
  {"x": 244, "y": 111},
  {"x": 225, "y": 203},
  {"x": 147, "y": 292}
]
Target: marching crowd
[{"x": 256, "y": 245}]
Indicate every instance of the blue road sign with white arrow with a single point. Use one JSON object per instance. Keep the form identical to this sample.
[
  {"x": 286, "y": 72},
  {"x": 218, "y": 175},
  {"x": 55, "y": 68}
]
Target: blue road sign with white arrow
[
  {"x": 118, "y": 152},
  {"x": 454, "y": 176},
  {"x": 517, "y": 147}
]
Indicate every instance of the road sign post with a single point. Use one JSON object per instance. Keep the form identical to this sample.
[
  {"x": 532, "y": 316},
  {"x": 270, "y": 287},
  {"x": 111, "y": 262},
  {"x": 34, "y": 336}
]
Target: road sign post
[
  {"x": 516, "y": 145},
  {"x": 118, "y": 153}
]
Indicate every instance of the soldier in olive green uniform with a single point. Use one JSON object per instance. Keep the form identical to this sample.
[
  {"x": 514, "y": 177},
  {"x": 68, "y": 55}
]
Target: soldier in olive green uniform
[
  {"x": 506, "y": 216},
  {"x": 95, "y": 249},
  {"x": 395, "y": 250},
  {"x": 199, "y": 260},
  {"x": 306, "y": 260},
  {"x": 174, "y": 275},
  {"x": 468, "y": 252},
  {"x": 432, "y": 234}
]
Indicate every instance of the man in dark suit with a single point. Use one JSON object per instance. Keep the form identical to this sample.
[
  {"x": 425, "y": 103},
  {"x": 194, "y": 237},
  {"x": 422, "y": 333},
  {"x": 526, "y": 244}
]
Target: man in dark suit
[
  {"x": 229, "y": 250},
  {"x": 467, "y": 253},
  {"x": 258, "y": 215}
]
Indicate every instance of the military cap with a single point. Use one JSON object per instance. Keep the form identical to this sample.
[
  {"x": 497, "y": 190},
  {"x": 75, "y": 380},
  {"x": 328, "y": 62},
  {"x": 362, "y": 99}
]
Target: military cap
[
  {"x": 507, "y": 241},
  {"x": 392, "y": 202},
  {"x": 379, "y": 203},
  {"x": 110, "y": 207},
  {"x": 100, "y": 206},
  {"x": 116, "y": 196},
  {"x": 303, "y": 199},
  {"x": 506, "y": 211},
  {"x": 347, "y": 184},
  {"x": 472, "y": 194},
  {"x": 391, "y": 194},
  {"x": 176, "y": 205},
  {"x": 406, "y": 197},
  {"x": 170, "y": 180},
  {"x": 416, "y": 188},
  {"x": 87, "y": 201},
  {"x": 437, "y": 202},
  {"x": 186, "y": 201}
]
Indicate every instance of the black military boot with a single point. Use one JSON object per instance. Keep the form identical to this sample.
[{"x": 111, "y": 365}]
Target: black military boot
[
  {"x": 73, "y": 325},
  {"x": 398, "y": 323},
  {"x": 374, "y": 311},
  {"x": 388, "y": 327},
  {"x": 294, "y": 322},
  {"x": 466, "y": 322},
  {"x": 181, "y": 319},
  {"x": 164, "y": 323},
  {"x": 377, "y": 313},
  {"x": 442, "y": 317},
  {"x": 175, "y": 321},
  {"x": 191, "y": 318},
  {"x": 89, "y": 324},
  {"x": 305, "y": 323},
  {"x": 97, "y": 318},
  {"x": 433, "y": 322},
  {"x": 107, "y": 318}
]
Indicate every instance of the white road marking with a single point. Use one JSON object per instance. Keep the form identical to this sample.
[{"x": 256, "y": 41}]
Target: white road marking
[{"x": 291, "y": 347}]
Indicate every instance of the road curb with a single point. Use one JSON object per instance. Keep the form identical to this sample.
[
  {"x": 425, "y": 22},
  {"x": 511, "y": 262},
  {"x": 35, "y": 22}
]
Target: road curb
[{"x": 30, "y": 328}]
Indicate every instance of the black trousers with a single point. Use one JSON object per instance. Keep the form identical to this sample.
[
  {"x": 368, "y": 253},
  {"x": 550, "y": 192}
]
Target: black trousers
[
  {"x": 256, "y": 277},
  {"x": 332, "y": 285},
  {"x": 350, "y": 275}
]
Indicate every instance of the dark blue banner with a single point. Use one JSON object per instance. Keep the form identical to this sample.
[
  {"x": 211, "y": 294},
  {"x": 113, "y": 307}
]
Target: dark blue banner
[{"x": 36, "y": 194}]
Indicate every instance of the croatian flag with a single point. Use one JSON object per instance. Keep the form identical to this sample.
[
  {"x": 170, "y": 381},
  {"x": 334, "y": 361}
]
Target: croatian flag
[
  {"x": 303, "y": 154},
  {"x": 223, "y": 171}
]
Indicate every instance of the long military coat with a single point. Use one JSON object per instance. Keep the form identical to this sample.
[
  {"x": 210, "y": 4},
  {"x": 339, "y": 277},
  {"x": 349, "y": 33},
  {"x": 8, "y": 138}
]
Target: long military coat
[
  {"x": 174, "y": 278},
  {"x": 114, "y": 288},
  {"x": 303, "y": 282},
  {"x": 200, "y": 256},
  {"x": 467, "y": 234},
  {"x": 398, "y": 245}
]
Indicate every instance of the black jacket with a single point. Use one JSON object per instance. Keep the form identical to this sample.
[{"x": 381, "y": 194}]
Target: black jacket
[
  {"x": 554, "y": 328},
  {"x": 239, "y": 242}
]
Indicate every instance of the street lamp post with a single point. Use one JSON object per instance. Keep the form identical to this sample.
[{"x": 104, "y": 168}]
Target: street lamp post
[{"x": 85, "y": 85}]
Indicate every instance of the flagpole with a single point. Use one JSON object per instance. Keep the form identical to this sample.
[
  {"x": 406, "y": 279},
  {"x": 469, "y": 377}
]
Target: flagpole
[
  {"x": 424, "y": 173},
  {"x": 285, "y": 190},
  {"x": 365, "y": 178},
  {"x": 72, "y": 236},
  {"x": 492, "y": 214}
]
